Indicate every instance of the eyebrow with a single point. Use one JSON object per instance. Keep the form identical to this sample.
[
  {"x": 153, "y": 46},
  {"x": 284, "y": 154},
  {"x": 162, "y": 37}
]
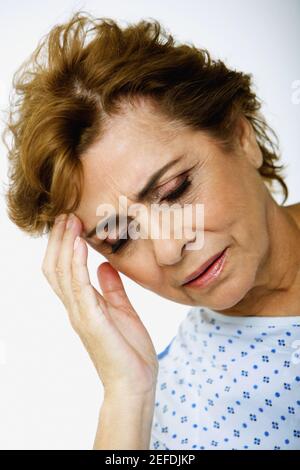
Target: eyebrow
[{"x": 143, "y": 194}]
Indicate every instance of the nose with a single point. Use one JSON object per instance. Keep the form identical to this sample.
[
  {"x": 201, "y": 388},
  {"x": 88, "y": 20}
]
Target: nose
[
  {"x": 170, "y": 251},
  {"x": 171, "y": 234}
]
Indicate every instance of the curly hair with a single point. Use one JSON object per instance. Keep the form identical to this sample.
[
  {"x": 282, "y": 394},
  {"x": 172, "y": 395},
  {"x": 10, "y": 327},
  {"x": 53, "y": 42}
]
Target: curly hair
[{"x": 69, "y": 86}]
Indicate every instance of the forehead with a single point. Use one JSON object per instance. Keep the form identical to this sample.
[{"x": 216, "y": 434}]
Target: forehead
[{"x": 133, "y": 146}]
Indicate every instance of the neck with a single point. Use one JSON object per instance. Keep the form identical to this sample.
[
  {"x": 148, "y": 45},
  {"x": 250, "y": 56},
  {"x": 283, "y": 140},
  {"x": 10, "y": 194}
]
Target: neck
[{"x": 276, "y": 292}]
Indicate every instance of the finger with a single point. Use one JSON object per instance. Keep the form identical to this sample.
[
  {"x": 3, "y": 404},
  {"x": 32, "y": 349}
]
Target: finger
[
  {"x": 52, "y": 252},
  {"x": 112, "y": 287},
  {"x": 83, "y": 291},
  {"x": 64, "y": 262}
]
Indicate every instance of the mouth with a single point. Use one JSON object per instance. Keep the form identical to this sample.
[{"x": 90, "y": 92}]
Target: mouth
[{"x": 208, "y": 272}]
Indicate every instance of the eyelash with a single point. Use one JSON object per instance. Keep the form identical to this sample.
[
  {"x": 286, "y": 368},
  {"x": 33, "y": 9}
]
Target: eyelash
[{"x": 172, "y": 196}]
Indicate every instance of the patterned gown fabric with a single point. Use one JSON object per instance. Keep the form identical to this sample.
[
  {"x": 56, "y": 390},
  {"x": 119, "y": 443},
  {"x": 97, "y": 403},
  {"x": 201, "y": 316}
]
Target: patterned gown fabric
[{"x": 228, "y": 383}]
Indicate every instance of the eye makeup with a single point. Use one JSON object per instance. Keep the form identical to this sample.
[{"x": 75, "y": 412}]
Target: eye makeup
[{"x": 171, "y": 196}]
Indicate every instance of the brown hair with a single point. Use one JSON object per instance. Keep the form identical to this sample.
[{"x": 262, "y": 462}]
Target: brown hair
[{"x": 69, "y": 85}]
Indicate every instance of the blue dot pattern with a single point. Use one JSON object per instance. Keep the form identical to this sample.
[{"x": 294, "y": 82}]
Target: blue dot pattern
[{"x": 228, "y": 382}]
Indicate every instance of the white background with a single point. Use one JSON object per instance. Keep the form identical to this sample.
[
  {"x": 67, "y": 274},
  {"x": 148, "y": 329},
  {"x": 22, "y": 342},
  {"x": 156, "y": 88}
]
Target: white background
[{"x": 50, "y": 394}]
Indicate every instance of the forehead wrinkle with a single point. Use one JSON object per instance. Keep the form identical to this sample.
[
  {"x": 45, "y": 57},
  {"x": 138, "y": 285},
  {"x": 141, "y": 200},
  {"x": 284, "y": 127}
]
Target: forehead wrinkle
[
  {"x": 104, "y": 168},
  {"x": 109, "y": 194},
  {"x": 126, "y": 183}
]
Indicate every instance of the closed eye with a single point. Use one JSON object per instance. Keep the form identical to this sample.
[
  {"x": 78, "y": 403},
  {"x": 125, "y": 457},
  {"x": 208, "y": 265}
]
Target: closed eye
[
  {"x": 176, "y": 193},
  {"x": 172, "y": 196}
]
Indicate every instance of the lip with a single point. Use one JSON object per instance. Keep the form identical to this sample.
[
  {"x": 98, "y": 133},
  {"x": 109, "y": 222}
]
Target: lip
[{"x": 214, "y": 265}]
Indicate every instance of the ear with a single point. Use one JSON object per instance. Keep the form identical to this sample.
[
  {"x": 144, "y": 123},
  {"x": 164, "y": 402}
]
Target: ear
[{"x": 247, "y": 142}]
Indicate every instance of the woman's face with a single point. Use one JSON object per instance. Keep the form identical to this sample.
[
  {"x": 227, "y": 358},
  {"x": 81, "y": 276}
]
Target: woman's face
[{"x": 228, "y": 186}]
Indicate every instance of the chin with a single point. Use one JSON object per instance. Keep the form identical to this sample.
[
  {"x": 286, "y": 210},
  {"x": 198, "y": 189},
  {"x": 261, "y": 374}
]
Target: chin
[{"x": 229, "y": 294}]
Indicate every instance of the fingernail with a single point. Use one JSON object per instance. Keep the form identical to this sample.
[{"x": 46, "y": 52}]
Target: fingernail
[
  {"x": 76, "y": 242},
  {"x": 70, "y": 221}
]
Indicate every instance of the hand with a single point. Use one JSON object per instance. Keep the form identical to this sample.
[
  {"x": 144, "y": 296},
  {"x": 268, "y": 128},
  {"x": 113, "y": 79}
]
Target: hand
[{"x": 109, "y": 327}]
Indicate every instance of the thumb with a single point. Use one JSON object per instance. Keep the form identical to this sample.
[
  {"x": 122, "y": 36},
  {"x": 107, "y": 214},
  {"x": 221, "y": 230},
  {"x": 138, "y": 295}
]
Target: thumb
[{"x": 112, "y": 286}]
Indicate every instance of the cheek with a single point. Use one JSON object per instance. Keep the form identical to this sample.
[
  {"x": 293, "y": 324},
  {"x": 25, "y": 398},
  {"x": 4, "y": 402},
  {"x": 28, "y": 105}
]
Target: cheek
[
  {"x": 219, "y": 209},
  {"x": 135, "y": 270},
  {"x": 228, "y": 197},
  {"x": 230, "y": 213},
  {"x": 129, "y": 270}
]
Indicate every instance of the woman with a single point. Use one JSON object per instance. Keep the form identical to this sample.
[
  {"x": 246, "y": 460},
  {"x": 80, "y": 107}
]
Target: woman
[{"x": 130, "y": 115}]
